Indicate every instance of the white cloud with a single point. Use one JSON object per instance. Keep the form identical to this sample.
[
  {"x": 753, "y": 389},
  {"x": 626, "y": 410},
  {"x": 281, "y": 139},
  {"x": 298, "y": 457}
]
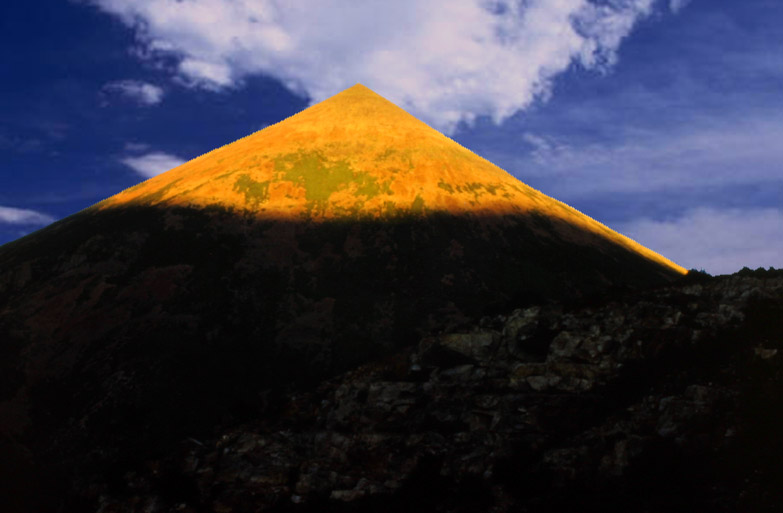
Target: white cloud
[
  {"x": 141, "y": 92},
  {"x": 718, "y": 241},
  {"x": 445, "y": 61},
  {"x": 10, "y": 215},
  {"x": 152, "y": 164}
]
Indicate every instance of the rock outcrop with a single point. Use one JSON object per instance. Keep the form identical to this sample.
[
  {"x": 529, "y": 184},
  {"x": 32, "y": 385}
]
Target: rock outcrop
[{"x": 669, "y": 400}]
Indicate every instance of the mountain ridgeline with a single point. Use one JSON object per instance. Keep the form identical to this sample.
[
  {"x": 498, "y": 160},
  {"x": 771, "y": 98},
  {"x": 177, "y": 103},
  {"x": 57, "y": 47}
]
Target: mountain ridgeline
[{"x": 336, "y": 236}]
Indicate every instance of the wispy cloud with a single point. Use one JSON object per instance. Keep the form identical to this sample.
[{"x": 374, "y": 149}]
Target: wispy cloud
[
  {"x": 738, "y": 152},
  {"x": 20, "y": 144},
  {"x": 152, "y": 164},
  {"x": 443, "y": 61},
  {"x": 718, "y": 241},
  {"x": 677, "y": 5},
  {"x": 141, "y": 92},
  {"x": 21, "y": 216},
  {"x": 135, "y": 147}
]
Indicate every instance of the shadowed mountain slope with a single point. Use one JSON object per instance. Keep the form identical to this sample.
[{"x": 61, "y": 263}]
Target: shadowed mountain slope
[{"x": 340, "y": 234}]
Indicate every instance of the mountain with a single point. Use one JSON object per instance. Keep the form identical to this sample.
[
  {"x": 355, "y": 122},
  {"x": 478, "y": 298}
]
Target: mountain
[
  {"x": 358, "y": 156},
  {"x": 208, "y": 293}
]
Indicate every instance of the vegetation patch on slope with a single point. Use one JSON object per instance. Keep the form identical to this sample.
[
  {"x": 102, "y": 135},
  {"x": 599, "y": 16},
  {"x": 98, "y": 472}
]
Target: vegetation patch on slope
[
  {"x": 255, "y": 192},
  {"x": 320, "y": 178}
]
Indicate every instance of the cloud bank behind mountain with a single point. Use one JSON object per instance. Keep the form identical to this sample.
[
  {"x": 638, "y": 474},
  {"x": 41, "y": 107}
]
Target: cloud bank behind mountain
[{"x": 445, "y": 62}]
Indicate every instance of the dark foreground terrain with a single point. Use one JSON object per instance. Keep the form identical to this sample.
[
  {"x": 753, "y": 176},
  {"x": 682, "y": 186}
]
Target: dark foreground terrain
[
  {"x": 124, "y": 331},
  {"x": 665, "y": 400}
]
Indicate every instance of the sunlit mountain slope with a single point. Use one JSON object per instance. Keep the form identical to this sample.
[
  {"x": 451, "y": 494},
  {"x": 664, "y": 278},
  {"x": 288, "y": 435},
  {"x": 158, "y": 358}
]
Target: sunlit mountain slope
[{"x": 356, "y": 155}]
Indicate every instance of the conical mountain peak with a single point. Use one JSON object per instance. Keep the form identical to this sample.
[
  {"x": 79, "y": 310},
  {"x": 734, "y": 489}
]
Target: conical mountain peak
[
  {"x": 354, "y": 153},
  {"x": 202, "y": 295},
  {"x": 357, "y": 155}
]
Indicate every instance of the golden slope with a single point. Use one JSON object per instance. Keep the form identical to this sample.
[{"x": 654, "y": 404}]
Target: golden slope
[{"x": 355, "y": 154}]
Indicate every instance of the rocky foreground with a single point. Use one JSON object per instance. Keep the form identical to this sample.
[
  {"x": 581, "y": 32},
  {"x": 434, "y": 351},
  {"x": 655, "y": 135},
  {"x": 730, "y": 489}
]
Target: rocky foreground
[{"x": 669, "y": 400}]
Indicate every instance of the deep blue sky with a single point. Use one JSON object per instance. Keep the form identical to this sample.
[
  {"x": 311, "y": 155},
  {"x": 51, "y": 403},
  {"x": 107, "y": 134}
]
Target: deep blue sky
[{"x": 678, "y": 142}]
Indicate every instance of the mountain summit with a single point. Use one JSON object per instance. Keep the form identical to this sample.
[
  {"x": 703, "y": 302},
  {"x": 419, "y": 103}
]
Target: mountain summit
[
  {"x": 205, "y": 294},
  {"x": 357, "y": 155}
]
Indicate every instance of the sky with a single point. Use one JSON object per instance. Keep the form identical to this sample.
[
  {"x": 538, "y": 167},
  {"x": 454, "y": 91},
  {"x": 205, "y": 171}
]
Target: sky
[{"x": 662, "y": 119}]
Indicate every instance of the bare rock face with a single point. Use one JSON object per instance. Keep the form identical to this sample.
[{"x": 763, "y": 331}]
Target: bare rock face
[{"x": 670, "y": 400}]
